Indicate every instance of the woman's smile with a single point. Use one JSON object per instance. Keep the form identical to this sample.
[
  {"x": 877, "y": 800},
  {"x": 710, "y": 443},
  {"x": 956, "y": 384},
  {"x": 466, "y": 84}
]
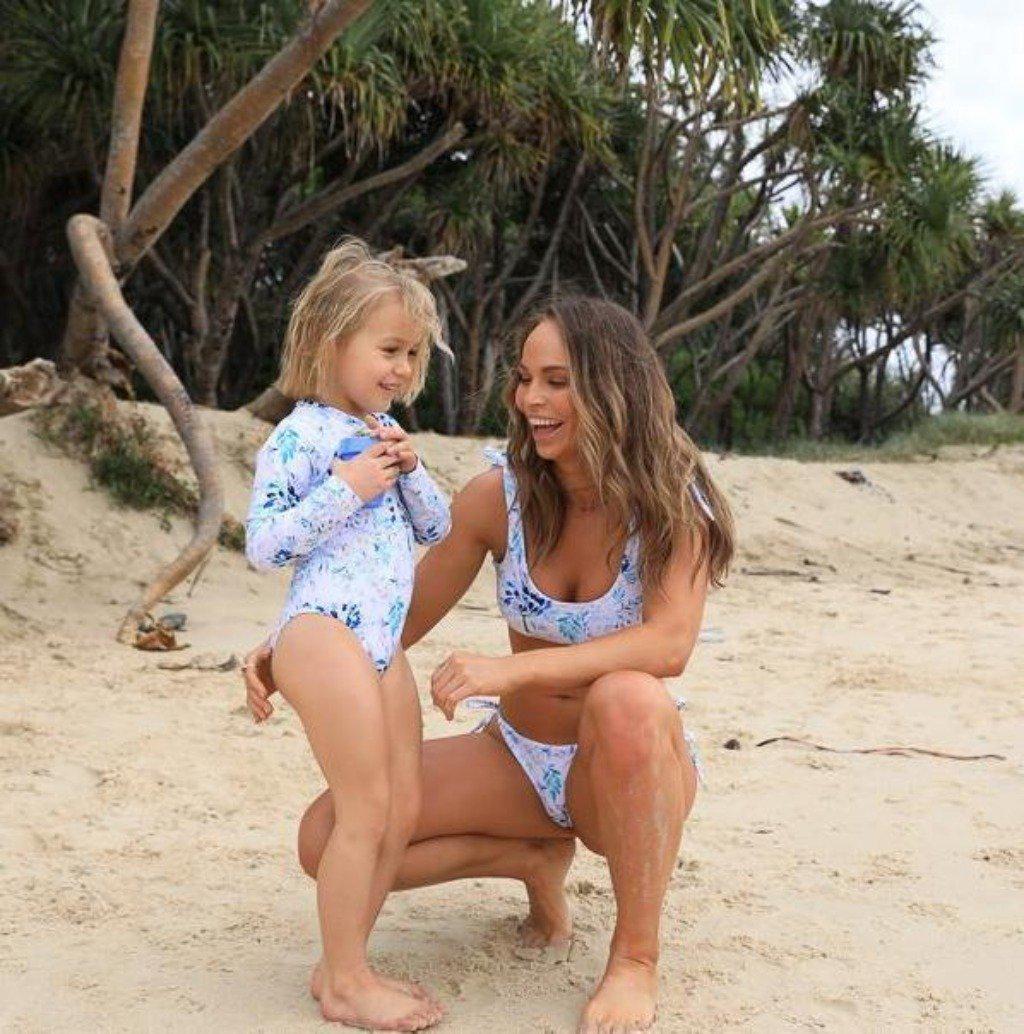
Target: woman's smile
[{"x": 544, "y": 428}]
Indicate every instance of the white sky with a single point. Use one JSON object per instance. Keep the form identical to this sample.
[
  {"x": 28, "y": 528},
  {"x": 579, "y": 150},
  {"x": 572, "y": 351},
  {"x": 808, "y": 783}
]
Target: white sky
[{"x": 976, "y": 95}]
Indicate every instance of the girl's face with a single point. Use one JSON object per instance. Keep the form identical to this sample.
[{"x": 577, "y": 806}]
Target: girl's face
[
  {"x": 542, "y": 392},
  {"x": 375, "y": 365}
]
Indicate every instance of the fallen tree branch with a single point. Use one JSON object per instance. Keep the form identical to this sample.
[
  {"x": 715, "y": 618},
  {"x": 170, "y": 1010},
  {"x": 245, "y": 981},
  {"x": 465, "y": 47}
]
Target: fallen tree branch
[
  {"x": 904, "y": 752},
  {"x": 34, "y": 384},
  {"x": 90, "y": 246}
]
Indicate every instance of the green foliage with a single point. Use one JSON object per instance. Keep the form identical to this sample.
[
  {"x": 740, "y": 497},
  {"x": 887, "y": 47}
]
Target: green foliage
[
  {"x": 124, "y": 458},
  {"x": 902, "y": 220},
  {"x": 122, "y": 454},
  {"x": 925, "y": 440}
]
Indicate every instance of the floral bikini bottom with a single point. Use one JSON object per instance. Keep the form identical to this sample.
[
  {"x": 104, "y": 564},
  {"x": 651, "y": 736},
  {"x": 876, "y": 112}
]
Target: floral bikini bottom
[{"x": 547, "y": 765}]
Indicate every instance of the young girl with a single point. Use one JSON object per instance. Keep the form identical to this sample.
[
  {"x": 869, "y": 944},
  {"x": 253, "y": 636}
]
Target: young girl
[{"x": 359, "y": 337}]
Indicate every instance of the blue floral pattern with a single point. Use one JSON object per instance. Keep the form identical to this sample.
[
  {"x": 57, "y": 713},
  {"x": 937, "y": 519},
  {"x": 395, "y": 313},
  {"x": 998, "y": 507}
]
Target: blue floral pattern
[
  {"x": 547, "y": 765},
  {"x": 529, "y": 611},
  {"x": 353, "y": 562}
]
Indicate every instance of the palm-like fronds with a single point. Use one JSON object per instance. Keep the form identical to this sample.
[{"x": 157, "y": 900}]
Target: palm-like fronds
[
  {"x": 57, "y": 63},
  {"x": 875, "y": 46}
]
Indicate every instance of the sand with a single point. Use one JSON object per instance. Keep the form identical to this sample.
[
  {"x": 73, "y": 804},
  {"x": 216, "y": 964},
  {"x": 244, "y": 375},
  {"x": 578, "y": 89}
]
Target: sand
[{"x": 147, "y": 870}]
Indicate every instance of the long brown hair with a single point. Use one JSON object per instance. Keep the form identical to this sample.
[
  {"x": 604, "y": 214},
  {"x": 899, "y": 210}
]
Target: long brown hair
[{"x": 640, "y": 460}]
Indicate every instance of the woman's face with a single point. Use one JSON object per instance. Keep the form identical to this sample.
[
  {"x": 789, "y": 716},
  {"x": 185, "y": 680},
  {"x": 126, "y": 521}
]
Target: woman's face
[{"x": 542, "y": 392}]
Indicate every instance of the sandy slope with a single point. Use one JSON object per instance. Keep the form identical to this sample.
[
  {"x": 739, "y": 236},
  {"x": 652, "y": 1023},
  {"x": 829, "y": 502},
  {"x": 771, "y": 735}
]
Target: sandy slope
[{"x": 147, "y": 878}]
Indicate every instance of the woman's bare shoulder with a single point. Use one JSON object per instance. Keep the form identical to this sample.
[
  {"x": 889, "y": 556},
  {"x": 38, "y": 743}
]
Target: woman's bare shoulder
[{"x": 479, "y": 507}]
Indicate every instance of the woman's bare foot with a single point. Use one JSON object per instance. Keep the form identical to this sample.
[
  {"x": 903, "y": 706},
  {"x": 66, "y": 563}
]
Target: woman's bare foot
[
  {"x": 625, "y": 1001},
  {"x": 409, "y": 987},
  {"x": 547, "y": 930},
  {"x": 364, "y": 1000}
]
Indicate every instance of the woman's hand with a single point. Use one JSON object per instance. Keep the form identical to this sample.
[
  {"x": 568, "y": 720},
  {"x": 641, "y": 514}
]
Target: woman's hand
[
  {"x": 464, "y": 675},
  {"x": 400, "y": 446},
  {"x": 259, "y": 682}
]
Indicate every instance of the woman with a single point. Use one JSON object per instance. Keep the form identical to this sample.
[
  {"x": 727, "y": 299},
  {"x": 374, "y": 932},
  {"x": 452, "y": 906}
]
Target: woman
[{"x": 624, "y": 531}]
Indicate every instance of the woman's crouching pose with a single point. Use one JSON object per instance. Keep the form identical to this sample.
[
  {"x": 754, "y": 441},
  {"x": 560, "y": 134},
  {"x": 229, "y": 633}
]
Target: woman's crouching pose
[{"x": 605, "y": 531}]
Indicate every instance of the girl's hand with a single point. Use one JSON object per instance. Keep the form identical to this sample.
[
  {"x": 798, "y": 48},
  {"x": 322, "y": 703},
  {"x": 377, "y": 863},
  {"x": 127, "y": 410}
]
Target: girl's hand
[
  {"x": 464, "y": 675},
  {"x": 259, "y": 682},
  {"x": 371, "y": 472},
  {"x": 402, "y": 448}
]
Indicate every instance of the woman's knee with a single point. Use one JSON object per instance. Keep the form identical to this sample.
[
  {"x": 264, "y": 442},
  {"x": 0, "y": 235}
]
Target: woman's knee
[{"x": 627, "y": 714}]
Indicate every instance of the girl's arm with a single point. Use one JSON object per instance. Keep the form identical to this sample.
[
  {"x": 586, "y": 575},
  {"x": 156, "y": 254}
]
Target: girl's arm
[
  {"x": 660, "y": 645},
  {"x": 426, "y": 505},
  {"x": 447, "y": 570},
  {"x": 287, "y": 518}
]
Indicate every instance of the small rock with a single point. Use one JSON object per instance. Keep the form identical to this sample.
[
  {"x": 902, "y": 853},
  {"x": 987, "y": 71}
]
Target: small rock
[
  {"x": 733, "y": 744},
  {"x": 175, "y": 621}
]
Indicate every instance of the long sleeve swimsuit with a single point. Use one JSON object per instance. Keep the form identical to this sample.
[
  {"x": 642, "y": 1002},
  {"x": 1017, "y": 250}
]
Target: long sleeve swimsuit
[{"x": 353, "y": 560}]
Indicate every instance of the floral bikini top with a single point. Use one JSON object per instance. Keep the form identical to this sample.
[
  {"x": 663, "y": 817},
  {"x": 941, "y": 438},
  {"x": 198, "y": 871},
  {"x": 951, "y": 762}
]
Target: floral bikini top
[{"x": 531, "y": 612}]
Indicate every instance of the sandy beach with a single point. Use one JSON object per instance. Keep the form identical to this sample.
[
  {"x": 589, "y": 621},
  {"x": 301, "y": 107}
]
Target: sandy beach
[{"x": 148, "y": 879}]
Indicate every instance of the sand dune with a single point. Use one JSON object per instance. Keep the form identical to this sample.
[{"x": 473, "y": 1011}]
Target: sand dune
[{"x": 147, "y": 872}]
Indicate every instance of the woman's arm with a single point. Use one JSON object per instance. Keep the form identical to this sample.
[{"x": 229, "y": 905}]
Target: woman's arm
[
  {"x": 448, "y": 568},
  {"x": 660, "y": 645}
]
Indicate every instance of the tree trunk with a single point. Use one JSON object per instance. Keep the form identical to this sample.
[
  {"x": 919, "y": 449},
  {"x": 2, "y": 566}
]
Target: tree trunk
[
  {"x": 798, "y": 345},
  {"x": 271, "y": 405},
  {"x": 447, "y": 373},
  {"x": 210, "y": 351},
  {"x": 1016, "y": 402},
  {"x": 126, "y": 118},
  {"x": 233, "y": 125},
  {"x": 823, "y": 383},
  {"x": 85, "y": 336},
  {"x": 92, "y": 257},
  {"x": 85, "y": 342}
]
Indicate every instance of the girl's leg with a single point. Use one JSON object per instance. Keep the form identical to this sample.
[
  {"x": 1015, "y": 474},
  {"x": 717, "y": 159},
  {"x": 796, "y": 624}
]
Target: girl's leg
[
  {"x": 479, "y": 818},
  {"x": 630, "y": 789},
  {"x": 324, "y": 674},
  {"x": 403, "y": 722}
]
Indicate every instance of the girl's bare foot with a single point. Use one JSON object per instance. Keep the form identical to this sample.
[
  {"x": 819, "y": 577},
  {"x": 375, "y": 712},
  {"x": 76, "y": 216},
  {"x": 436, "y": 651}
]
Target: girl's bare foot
[
  {"x": 409, "y": 987},
  {"x": 364, "y": 1000},
  {"x": 625, "y": 1001},
  {"x": 547, "y": 930}
]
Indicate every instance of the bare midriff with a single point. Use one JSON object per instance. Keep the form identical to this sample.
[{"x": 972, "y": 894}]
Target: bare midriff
[{"x": 542, "y": 714}]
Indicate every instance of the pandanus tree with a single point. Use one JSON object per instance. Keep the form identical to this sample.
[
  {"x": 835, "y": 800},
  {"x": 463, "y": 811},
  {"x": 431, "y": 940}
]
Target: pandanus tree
[
  {"x": 536, "y": 112},
  {"x": 107, "y": 248}
]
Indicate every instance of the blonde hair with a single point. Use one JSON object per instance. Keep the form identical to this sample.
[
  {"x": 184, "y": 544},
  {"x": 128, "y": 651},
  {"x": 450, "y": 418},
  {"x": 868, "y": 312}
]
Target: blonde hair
[
  {"x": 633, "y": 451},
  {"x": 334, "y": 305}
]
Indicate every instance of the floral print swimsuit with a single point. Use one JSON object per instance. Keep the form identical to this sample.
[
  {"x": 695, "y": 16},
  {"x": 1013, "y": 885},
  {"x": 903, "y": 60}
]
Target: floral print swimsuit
[
  {"x": 531, "y": 612},
  {"x": 353, "y": 560}
]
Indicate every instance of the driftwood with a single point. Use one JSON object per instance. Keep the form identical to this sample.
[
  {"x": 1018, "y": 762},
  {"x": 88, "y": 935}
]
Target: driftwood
[
  {"x": 90, "y": 240},
  {"x": 903, "y": 752},
  {"x": 37, "y": 383}
]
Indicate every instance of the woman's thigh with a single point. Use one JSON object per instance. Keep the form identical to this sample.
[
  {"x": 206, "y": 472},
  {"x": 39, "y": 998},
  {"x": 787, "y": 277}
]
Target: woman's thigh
[{"x": 472, "y": 784}]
